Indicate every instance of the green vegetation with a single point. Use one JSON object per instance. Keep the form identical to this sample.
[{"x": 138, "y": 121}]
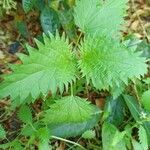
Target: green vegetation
[{"x": 81, "y": 52}]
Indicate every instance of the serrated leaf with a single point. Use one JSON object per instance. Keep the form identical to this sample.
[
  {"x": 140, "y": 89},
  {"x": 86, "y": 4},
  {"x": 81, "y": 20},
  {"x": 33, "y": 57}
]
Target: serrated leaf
[
  {"x": 136, "y": 111},
  {"x": 2, "y": 132},
  {"x": 89, "y": 134},
  {"x": 25, "y": 114},
  {"x": 66, "y": 130},
  {"x": 49, "y": 20},
  {"x": 70, "y": 110},
  {"x": 143, "y": 137},
  {"x": 43, "y": 134},
  {"x": 27, "y": 5},
  {"x": 146, "y": 100},
  {"x": 94, "y": 16},
  {"x": 101, "y": 62},
  {"x": 50, "y": 67}
]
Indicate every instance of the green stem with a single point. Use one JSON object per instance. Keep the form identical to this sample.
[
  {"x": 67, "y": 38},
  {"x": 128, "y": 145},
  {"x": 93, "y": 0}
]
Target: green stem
[{"x": 72, "y": 90}]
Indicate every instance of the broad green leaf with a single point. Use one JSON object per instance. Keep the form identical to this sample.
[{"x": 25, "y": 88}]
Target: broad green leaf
[
  {"x": 70, "y": 110},
  {"x": 98, "y": 16},
  {"x": 2, "y": 132},
  {"x": 101, "y": 63},
  {"x": 49, "y": 20},
  {"x": 115, "y": 108},
  {"x": 27, "y": 5},
  {"x": 66, "y": 130},
  {"x": 112, "y": 139},
  {"x": 146, "y": 100},
  {"x": 25, "y": 114},
  {"x": 50, "y": 67},
  {"x": 89, "y": 134},
  {"x": 143, "y": 137}
]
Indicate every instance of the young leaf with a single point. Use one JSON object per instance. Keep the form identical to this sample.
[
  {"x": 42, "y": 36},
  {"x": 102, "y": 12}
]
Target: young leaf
[
  {"x": 108, "y": 63},
  {"x": 2, "y": 132},
  {"x": 146, "y": 100},
  {"x": 52, "y": 66},
  {"x": 112, "y": 139},
  {"x": 49, "y": 20},
  {"x": 43, "y": 136},
  {"x": 89, "y": 134},
  {"x": 44, "y": 145},
  {"x": 27, "y": 5},
  {"x": 143, "y": 138},
  {"x": 25, "y": 114},
  {"x": 94, "y": 16},
  {"x": 70, "y": 110}
]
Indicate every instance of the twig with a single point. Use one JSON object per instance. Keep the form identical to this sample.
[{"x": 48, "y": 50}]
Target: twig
[
  {"x": 140, "y": 21},
  {"x": 68, "y": 141}
]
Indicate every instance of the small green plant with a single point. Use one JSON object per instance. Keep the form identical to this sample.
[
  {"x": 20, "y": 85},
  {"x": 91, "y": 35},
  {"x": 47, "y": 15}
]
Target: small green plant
[{"x": 52, "y": 70}]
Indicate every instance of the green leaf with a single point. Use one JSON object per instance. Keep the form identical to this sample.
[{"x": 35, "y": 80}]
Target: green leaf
[
  {"x": 133, "y": 106},
  {"x": 144, "y": 47},
  {"x": 17, "y": 145},
  {"x": 136, "y": 145},
  {"x": 43, "y": 134},
  {"x": 70, "y": 110},
  {"x": 89, "y": 134},
  {"x": 51, "y": 67},
  {"x": 67, "y": 21},
  {"x": 39, "y": 4},
  {"x": 146, "y": 100},
  {"x": 44, "y": 145},
  {"x": 94, "y": 16},
  {"x": 27, "y": 5},
  {"x": 115, "y": 108},
  {"x": 2, "y": 132},
  {"x": 112, "y": 139},
  {"x": 101, "y": 62},
  {"x": 49, "y": 20},
  {"x": 25, "y": 114},
  {"x": 143, "y": 137},
  {"x": 66, "y": 130},
  {"x": 136, "y": 113},
  {"x": 22, "y": 28}
]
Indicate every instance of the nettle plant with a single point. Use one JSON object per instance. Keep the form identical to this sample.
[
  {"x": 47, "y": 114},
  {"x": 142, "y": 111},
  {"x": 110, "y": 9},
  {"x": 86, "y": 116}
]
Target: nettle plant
[{"x": 54, "y": 68}]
